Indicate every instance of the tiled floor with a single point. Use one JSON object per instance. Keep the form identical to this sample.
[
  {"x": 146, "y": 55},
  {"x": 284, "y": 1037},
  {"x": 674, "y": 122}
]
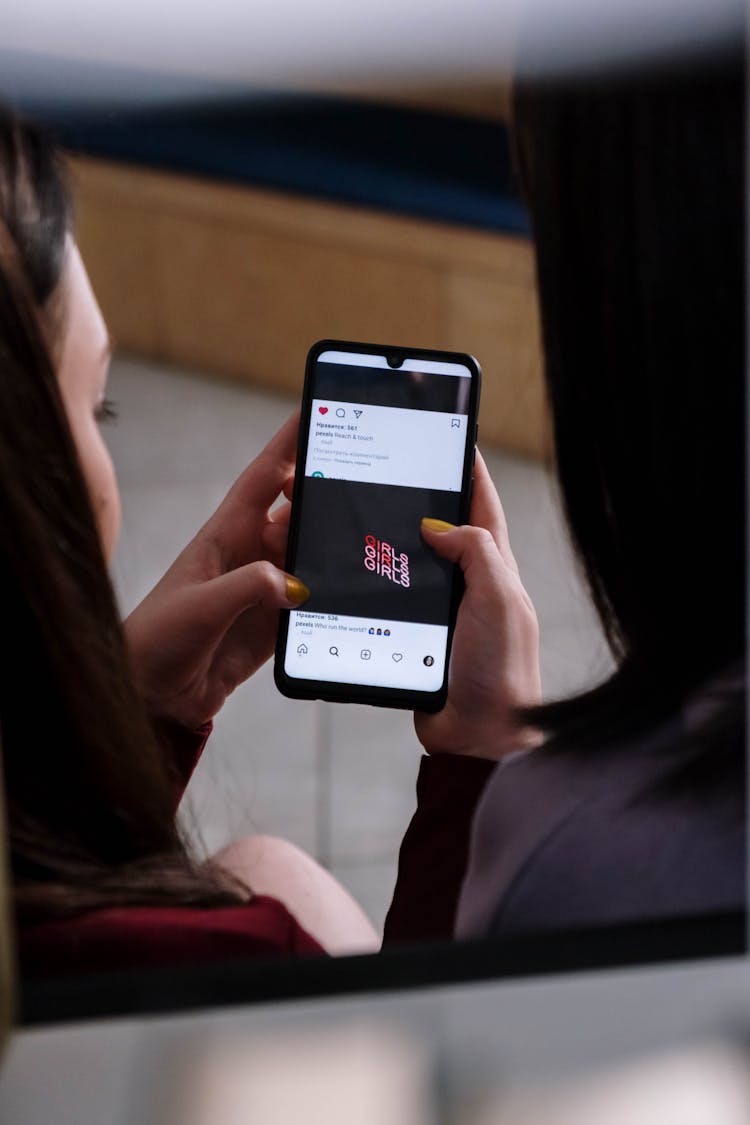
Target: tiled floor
[{"x": 337, "y": 780}]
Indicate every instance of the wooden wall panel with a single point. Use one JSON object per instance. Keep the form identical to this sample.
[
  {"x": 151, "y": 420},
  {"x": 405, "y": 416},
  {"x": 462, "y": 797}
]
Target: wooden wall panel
[
  {"x": 497, "y": 320},
  {"x": 117, "y": 239},
  {"x": 488, "y": 100},
  {"x": 240, "y": 282},
  {"x": 249, "y": 304}
]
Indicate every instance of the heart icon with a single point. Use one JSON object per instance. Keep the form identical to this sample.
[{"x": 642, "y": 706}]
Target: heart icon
[
  {"x": 397, "y": 656},
  {"x": 323, "y": 409}
]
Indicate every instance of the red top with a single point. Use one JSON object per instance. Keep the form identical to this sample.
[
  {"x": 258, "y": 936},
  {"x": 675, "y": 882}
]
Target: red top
[
  {"x": 128, "y": 937},
  {"x": 435, "y": 850}
]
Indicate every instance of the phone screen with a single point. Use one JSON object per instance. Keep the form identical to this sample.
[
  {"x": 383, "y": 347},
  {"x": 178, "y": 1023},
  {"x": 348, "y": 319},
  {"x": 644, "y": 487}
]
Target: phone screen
[{"x": 384, "y": 448}]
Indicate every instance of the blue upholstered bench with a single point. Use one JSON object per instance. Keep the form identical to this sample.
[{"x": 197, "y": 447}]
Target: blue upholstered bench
[{"x": 401, "y": 160}]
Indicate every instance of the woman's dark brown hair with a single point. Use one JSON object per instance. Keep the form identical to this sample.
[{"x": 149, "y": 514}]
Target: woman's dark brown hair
[
  {"x": 91, "y": 790},
  {"x": 635, "y": 179}
]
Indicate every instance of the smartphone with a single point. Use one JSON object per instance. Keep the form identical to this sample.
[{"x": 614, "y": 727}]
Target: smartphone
[{"x": 387, "y": 436}]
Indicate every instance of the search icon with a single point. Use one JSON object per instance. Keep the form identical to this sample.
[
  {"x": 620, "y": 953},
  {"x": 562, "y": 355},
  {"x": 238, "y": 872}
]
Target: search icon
[{"x": 333, "y": 650}]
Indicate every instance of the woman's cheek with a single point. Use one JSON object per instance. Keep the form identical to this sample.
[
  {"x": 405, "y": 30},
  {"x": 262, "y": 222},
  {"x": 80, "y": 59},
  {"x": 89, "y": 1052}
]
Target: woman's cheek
[
  {"x": 101, "y": 482},
  {"x": 107, "y": 506}
]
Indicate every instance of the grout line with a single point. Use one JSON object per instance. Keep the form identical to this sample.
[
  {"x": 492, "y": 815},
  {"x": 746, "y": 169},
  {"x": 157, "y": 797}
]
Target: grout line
[{"x": 324, "y": 781}]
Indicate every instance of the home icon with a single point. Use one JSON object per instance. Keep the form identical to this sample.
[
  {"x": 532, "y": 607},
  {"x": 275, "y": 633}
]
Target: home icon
[{"x": 302, "y": 650}]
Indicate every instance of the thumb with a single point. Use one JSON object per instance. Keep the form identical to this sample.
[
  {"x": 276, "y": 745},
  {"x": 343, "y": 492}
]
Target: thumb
[
  {"x": 257, "y": 583},
  {"x": 471, "y": 548}
]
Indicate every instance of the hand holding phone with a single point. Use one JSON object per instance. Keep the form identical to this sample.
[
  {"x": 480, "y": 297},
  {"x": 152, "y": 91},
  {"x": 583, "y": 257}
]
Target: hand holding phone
[
  {"x": 211, "y": 621},
  {"x": 387, "y": 437},
  {"x": 495, "y": 664}
]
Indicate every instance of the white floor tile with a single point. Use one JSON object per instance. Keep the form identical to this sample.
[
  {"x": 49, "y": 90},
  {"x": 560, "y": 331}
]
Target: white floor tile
[
  {"x": 374, "y": 763},
  {"x": 158, "y": 521},
  {"x": 539, "y": 541},
  {"x": 182, "y": 428},
  {"x": 574, "y": 657},
  {"x": 372, "y": 885},
  {"x": 259, "y": 773}
]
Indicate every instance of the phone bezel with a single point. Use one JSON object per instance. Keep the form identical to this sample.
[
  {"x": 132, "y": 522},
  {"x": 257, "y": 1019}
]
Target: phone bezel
[{"x": 339, "y": 692}]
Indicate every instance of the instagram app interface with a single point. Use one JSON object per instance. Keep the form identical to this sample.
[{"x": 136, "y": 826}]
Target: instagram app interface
[{"x": 385, "y": 448}]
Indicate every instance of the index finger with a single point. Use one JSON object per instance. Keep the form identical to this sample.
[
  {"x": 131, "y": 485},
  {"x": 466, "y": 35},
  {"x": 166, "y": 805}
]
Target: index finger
[
  {"x": 487, "y": 511},
  {"x": 263, "y": 480}
]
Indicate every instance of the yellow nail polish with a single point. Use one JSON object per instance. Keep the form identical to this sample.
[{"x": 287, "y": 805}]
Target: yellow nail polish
[
  {"x": 437, "y": 525},
  {"x": 296, "y": 591}
]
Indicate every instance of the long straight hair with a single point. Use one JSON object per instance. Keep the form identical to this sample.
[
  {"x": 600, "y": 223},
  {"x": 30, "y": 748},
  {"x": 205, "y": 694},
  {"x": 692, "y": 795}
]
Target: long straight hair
[
  {"x": 91, "y": 791},
  {"x": 635, "y": 182}
]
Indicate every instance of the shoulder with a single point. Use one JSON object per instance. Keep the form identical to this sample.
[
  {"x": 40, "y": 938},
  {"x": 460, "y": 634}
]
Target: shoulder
[
  {"x": 628, "y": 857},
  {"x": 567, "y": 837}
]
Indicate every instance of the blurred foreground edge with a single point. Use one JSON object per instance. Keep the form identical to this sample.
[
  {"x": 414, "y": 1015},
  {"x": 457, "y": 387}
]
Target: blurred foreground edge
[{"x": 186, "y": 987}]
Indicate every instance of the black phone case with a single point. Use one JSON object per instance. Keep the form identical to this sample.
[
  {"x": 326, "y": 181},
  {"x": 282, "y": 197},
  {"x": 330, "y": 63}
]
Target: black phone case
[{"x": 295, "y": 688}]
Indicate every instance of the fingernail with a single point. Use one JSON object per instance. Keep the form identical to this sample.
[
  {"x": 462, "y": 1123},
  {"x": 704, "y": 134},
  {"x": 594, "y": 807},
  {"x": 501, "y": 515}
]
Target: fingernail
[
  {"x": 437, "y": 525},
  {"x": 296, "y": 591}
]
